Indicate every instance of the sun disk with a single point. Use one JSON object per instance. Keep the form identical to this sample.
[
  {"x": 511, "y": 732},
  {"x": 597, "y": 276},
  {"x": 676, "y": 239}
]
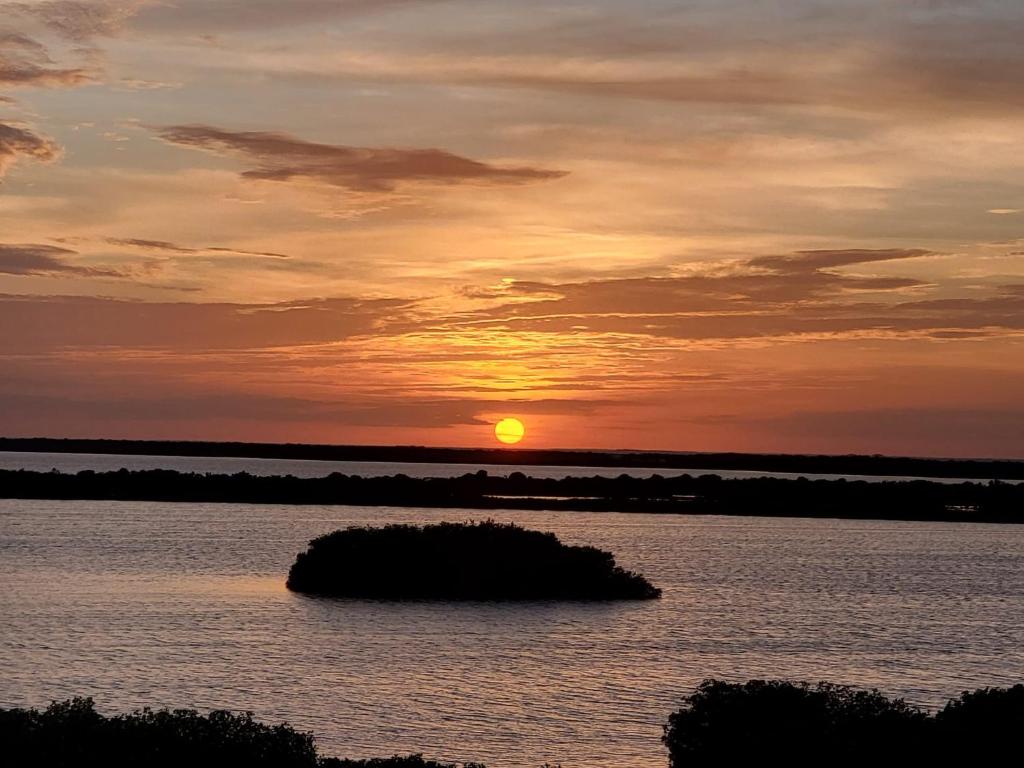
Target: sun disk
[{"x": 509, "y": 431}]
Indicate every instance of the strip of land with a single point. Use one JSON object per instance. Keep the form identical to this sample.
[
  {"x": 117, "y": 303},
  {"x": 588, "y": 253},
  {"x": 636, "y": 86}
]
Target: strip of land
[
  {"x": 888, "y": 466},
  {"x": 992, "y": 502}
]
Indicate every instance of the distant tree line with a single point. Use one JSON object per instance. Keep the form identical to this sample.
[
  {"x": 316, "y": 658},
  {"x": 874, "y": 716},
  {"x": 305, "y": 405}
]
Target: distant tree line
[
  {"x": 993, "y": 502},
  {"x": 851, "y": 464}
]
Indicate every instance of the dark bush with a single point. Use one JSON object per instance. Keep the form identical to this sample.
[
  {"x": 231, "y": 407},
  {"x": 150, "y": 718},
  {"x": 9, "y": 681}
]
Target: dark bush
[
  {"x": 980, "y": 726},
  {"x": 72, "y": 734},
  {"x": 775, "y": 722},
  {"x": 461, "y": 561}
]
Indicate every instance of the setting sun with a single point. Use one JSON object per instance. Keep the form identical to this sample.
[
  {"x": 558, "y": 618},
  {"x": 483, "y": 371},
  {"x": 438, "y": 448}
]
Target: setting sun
[{"x": 509, "y": 431}]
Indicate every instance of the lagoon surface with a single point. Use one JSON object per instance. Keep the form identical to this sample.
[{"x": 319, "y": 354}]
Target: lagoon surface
[{"x": 184, "y": 605}]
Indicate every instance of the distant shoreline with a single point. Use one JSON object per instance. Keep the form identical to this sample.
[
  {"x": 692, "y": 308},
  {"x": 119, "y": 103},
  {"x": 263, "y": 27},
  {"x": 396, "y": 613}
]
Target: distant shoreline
[
  {"x": 890, "y": 466},
  {"x": 917, "y": 500}
]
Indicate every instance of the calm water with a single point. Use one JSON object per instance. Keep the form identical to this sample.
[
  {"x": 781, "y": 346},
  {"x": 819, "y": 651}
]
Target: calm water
[
  {"x": 100, "y": 462},
  {"x": 184, "y": 605}
]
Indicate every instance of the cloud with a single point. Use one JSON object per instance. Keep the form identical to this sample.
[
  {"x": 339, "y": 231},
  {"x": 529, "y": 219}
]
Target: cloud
[
  {"x": 281, "y": 157},
  {"x": 795, "y": 295},
  {"x": 165, "y": 246},
  {"x": 184, "y": 407},
  {"x": 860, "y": 56},
  {"x": 106, "y": 407},
  {"x": 79, "y": 20},
  {"x": 85, "y": 20},
  {"x": 59, "y": 322},
  {"x": 44, "y": 260},
  {"x": 216, "y": 16},
  {"x": 811, "y": 261},
  {"x": 25, "y": 62},
  {"x": 762, "y": 282},
  {"x": 21, "y": 74},
  {"x": 887, "y": 82},
  {"x": 20, "y": 142},
  {"x": 977, "y": 430}
]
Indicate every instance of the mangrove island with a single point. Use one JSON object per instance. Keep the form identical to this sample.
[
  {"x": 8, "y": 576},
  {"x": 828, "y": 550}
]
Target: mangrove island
[{"x": 461, "y": 561}]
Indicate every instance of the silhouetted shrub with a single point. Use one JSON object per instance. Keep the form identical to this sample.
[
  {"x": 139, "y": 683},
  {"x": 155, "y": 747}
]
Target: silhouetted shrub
[
  {"x": 773, "y": 722},
  {"x": 776, "y": 722},
  {"x": 72, "y": 734},
  {"x": 977, "y": 727},
  {"x": 461, "y": 561}
]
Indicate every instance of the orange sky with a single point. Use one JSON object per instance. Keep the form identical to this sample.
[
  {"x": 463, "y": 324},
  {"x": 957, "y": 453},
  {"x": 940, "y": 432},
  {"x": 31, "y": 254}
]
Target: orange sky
[{"x": 686, "y": 224}]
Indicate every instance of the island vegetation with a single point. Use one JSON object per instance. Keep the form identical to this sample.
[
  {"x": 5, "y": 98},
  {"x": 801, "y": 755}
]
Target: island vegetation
[
  {"x": 774, "y": 722},
  {"x": 850, "y": 464},
  {"x": 461, "y": 561},
  {"x": 991, "y": 502}
]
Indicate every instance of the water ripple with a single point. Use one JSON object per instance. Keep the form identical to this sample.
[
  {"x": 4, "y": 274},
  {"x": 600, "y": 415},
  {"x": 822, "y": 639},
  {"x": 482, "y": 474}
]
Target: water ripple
[{"x": 141, "y": 604}]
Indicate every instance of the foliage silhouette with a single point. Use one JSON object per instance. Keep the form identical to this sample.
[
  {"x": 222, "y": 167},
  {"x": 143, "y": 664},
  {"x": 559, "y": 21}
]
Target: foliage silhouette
[
  {"x": 461, "y": 561},
  {"x": 778, "y": 722},
  {"x": 754, "y": 723},
  {"x": 978, "y": 727},
  {"x": 759, "y": 721},
  {"x": 992, "y": 502},
  {"x": 72, "y": 734}
]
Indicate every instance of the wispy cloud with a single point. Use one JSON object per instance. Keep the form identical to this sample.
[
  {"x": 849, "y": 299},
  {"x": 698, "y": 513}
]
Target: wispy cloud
[
  {"x": 787, "y": 296},
  {"x": 813, "y": 261},
  {"x": 281, "y": 157},
  {"x": 164, "y": 246},
  {"x": 25, "y": 61},
  {"x": 53, "y": 323},
  {"x": 221, "y": 16},
  {"x": 31, "y": 259},
  {"x": 79, "y": 20},
  {"x": 16, "y": 142},
  {"x": 859, "y": 57}
]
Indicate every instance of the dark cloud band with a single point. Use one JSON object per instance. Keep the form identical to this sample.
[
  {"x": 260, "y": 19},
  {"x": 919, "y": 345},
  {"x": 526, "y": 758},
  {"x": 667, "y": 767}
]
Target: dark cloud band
[{"x": 281, "y": 157}]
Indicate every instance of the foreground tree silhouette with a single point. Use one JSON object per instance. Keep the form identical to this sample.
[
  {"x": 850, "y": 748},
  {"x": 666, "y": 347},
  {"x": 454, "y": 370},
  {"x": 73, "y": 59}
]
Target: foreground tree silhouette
[
  {"x": 722, "y": 724},
  {"x": 72, "y": 734},
  {"x": 984, "y": 726},
  {"x": 461, "y": 561},
  {"x": 764, "y": 722}
]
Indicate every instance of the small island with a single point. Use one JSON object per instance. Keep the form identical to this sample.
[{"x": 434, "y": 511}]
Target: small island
[{"x": 485, "y": 561}]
